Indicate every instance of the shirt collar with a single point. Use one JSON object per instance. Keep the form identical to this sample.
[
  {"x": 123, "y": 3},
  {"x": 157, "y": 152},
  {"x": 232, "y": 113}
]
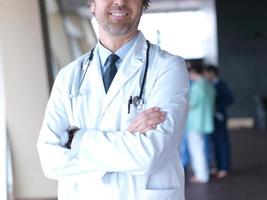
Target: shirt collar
[{"x": 103, "y": 52}]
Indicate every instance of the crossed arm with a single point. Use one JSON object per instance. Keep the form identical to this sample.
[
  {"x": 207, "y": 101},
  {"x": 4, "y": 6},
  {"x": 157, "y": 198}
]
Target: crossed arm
[
  {"x": 58, "y": 161},
  {"x": 136, "y": 153},
  {"x": 145, "y": 121}
]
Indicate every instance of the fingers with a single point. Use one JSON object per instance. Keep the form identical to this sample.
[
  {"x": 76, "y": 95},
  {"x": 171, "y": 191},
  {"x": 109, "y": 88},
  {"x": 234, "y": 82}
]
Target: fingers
[
  {"x": 149, "y": 114},
  {"x": 151, "y": 121},
  {"x": 147, "y": 120}
]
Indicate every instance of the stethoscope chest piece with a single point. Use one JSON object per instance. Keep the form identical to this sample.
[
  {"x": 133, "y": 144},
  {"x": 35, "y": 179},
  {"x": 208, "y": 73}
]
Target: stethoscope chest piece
[{"x": 138, "y": 103}]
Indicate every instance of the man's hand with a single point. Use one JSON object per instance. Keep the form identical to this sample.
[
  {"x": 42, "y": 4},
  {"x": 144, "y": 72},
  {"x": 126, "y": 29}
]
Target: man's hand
[{"x": 147, "y": 120}]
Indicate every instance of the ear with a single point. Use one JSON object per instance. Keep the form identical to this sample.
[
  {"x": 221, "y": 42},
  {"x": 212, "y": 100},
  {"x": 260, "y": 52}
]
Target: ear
[{"x": 92, "y": 7}]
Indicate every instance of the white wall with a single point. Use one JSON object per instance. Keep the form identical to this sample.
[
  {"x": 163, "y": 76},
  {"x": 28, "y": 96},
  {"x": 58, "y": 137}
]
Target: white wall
[
  {"x": 26, "y": 87},
  {"x": 3, "y": 169}
]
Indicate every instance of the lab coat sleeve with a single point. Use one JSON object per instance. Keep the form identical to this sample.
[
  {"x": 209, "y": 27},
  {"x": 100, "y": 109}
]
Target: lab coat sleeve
[
  {"x": 139, "y": 154},
  {"x": 56, "y": 160}
]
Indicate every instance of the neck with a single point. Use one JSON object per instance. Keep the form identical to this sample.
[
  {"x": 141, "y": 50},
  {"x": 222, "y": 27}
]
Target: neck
[
  {"x": 113, "y": 43},
  {"x": 197, "y": 77}
]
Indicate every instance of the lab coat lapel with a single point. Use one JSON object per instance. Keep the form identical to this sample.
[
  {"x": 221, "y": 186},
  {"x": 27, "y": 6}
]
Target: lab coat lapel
[{"x": 130, "y": 65}]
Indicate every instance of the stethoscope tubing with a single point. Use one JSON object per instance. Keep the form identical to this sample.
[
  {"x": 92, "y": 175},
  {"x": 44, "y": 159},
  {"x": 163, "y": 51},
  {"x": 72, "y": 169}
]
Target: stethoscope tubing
[
  {"x": 89, "y": 62},
  {"x": 145, "y": 74},
  {"x": 143, "y": 80}
]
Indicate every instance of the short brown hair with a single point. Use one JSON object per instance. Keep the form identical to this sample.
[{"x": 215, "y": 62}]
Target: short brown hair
[{"x": 146, "y": 4}]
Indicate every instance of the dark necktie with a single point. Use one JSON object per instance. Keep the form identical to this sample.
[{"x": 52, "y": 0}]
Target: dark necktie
[{"x": 110, "y": 72}]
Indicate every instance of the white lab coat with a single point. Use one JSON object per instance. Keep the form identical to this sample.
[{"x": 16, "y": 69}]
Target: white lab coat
[{"x": 107, "y": 162}]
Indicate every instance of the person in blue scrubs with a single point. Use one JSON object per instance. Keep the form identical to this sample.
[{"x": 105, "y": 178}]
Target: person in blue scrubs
[{"x": 220, "y": 138}]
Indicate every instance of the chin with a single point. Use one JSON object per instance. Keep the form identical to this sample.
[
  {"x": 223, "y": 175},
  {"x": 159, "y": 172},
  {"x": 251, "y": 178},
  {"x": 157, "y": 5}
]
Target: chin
[{"x": 119, "y": 31}]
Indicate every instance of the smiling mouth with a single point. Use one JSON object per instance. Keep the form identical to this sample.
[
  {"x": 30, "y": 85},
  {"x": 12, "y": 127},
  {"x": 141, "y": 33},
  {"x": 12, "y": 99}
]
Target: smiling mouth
[{"x": 118, "y": 14}]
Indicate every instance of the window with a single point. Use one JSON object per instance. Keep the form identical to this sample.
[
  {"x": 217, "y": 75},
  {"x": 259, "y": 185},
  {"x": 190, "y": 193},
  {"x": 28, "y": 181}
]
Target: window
[{"x": 181, "y": 33}]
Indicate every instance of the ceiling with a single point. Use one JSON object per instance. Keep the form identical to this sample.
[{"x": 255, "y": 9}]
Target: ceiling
[
  {"x": 174, "y": 5},
  {"x": 156, "y": 5}
]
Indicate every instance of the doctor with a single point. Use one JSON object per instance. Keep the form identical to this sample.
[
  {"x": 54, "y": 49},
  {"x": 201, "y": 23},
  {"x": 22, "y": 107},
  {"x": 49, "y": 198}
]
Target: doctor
[{"x": 113, "y": 123}]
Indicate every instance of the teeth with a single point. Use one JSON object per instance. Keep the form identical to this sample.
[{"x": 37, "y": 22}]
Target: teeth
[{"x": 118, "y": 14}]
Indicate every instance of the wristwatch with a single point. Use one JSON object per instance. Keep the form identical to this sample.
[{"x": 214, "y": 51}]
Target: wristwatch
[{"x": 71, "y": 133}]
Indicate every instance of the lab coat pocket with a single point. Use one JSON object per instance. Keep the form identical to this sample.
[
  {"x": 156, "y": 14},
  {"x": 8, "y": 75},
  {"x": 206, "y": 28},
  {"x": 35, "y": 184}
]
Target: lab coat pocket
[{"x": 161, "y": 194}]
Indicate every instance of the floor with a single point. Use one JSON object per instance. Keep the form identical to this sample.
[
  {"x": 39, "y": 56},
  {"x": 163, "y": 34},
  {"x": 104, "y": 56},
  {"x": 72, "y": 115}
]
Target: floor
[{"x": 248, "y": 180}]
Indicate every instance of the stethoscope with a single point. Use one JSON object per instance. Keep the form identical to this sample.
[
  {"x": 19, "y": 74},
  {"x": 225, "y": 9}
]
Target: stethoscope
[{"x": 137, "y": 101}]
